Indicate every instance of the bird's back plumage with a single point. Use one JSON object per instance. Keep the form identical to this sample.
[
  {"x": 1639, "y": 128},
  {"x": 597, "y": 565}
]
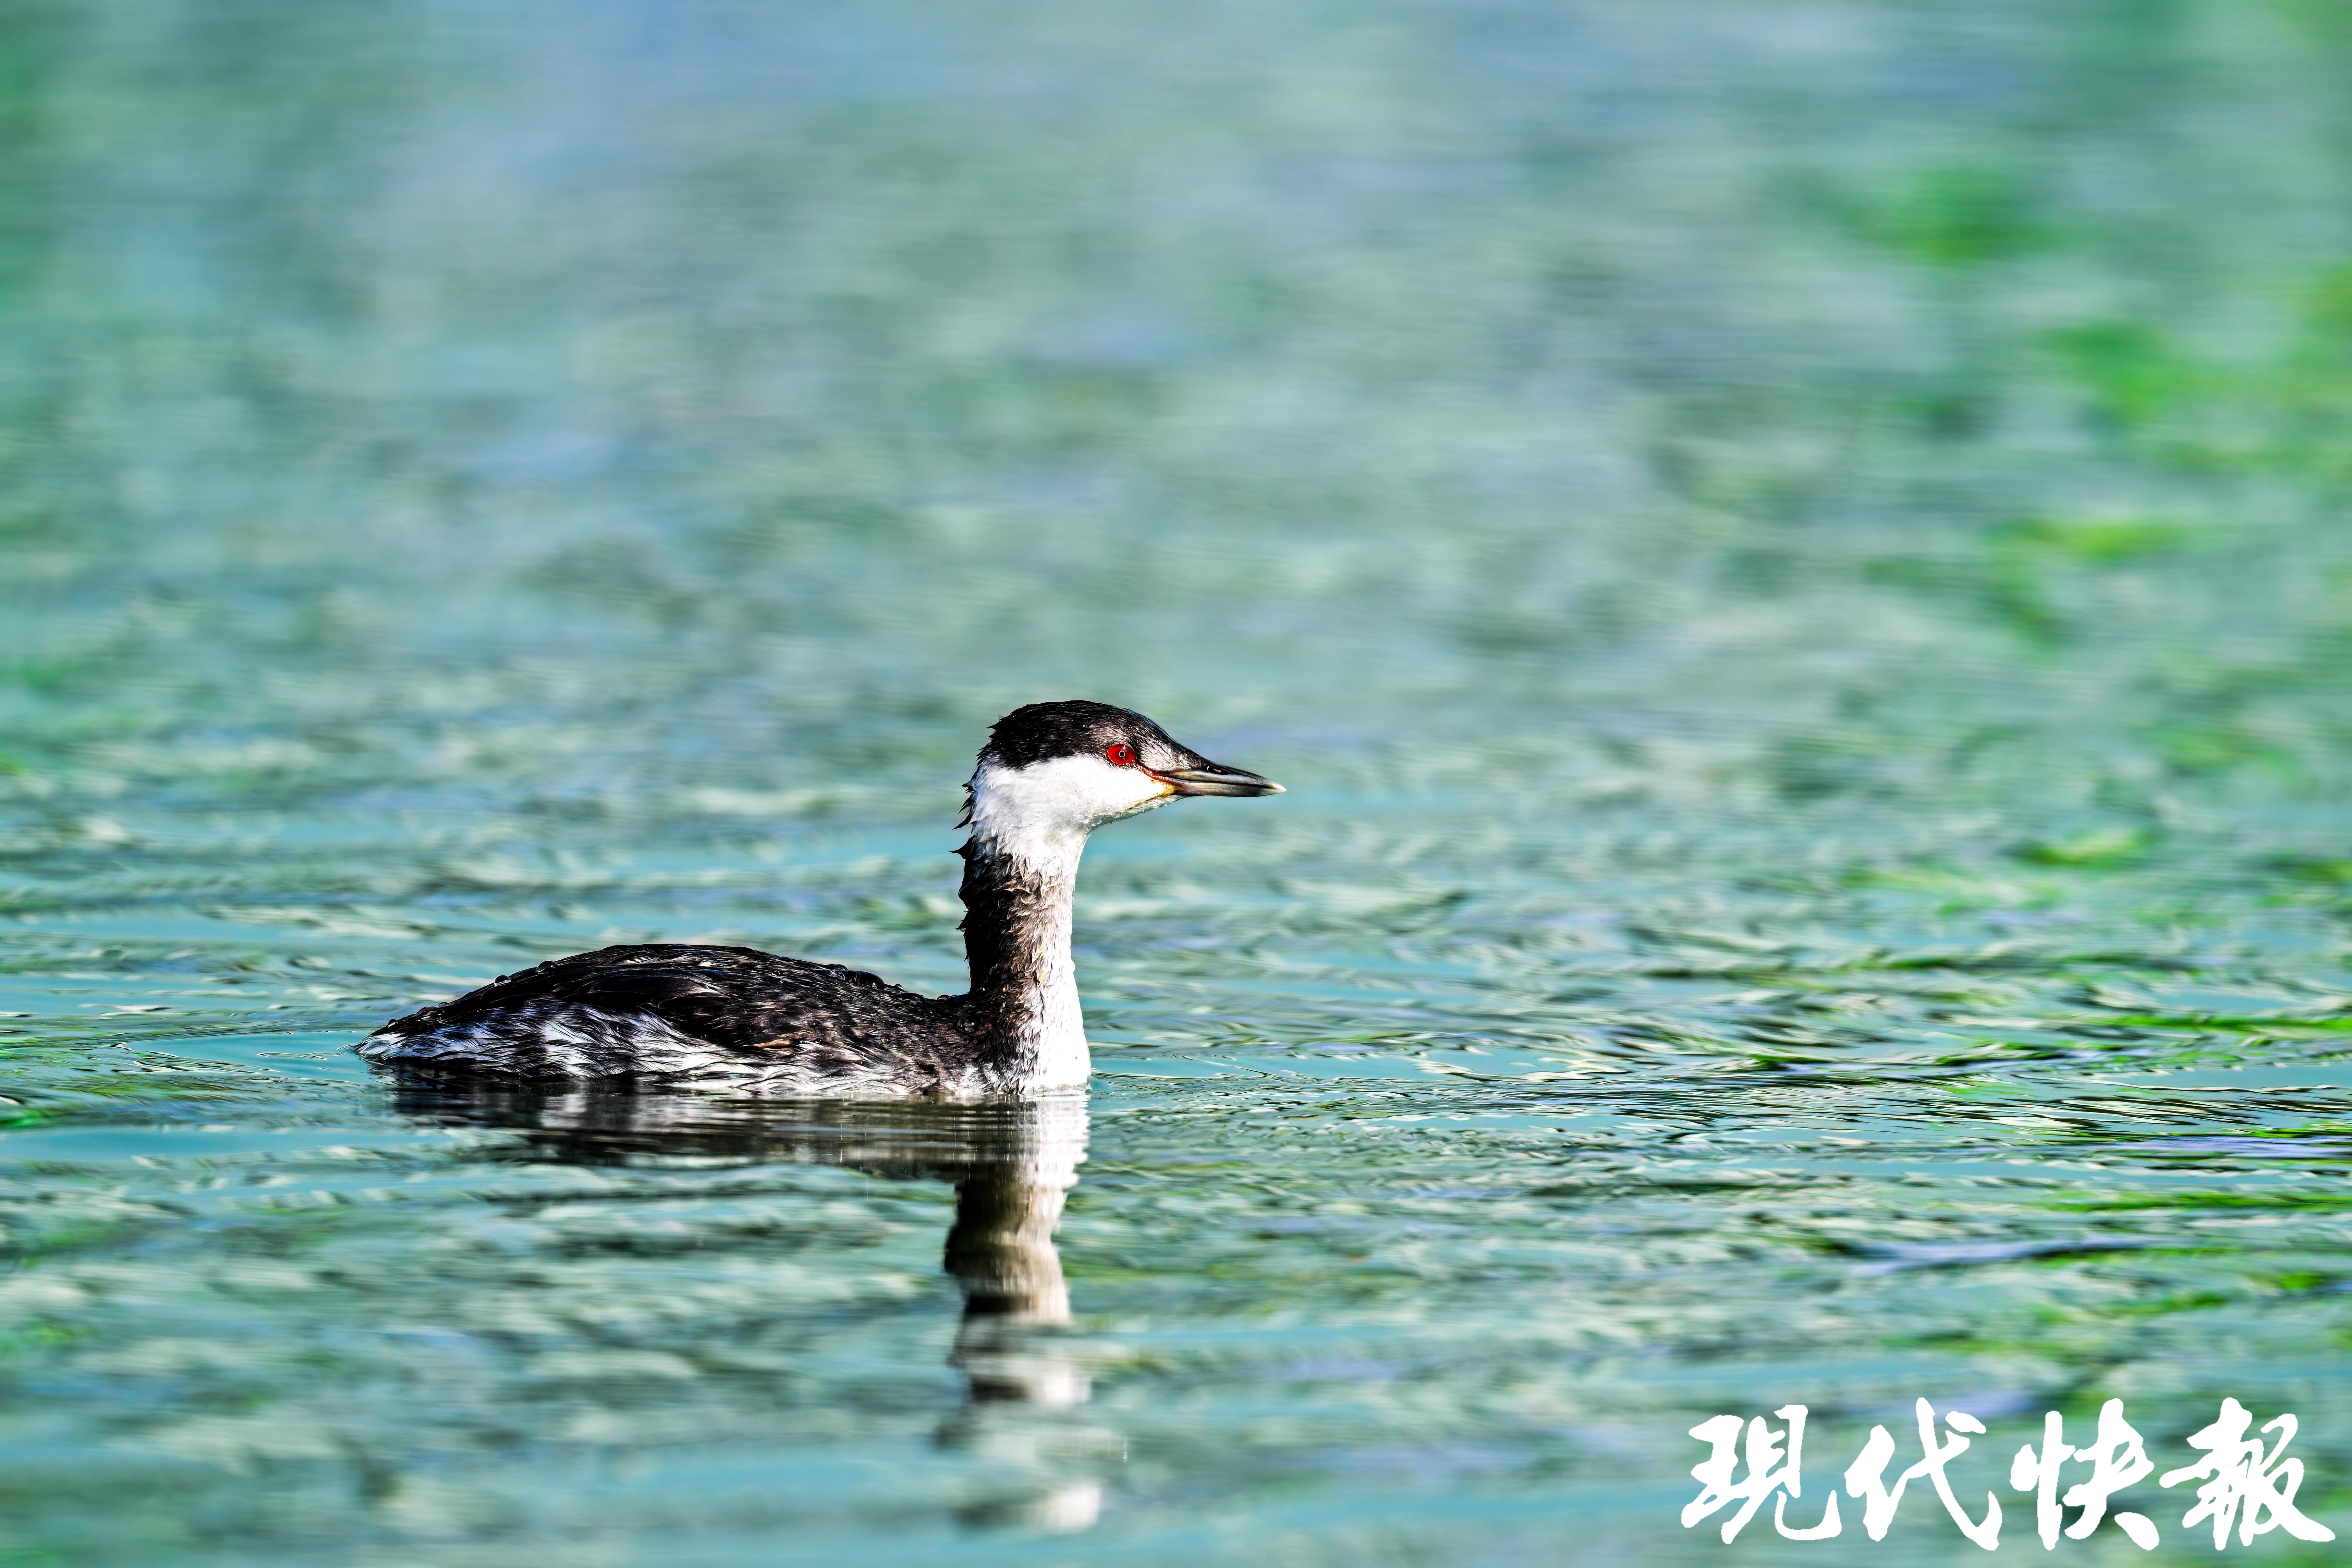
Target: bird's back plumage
[{"x": 683, "y": 1011}]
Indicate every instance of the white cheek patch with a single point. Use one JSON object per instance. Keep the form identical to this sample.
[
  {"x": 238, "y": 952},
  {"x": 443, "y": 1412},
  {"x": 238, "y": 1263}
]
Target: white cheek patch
[{"x": 1046, "y": 809}]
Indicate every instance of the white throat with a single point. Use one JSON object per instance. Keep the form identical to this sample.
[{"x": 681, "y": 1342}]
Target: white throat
[
  {"x": 1054, "y": 1023},
  {"x": 1043, "y": 813},
  {"x": 1036, "y": 820}
]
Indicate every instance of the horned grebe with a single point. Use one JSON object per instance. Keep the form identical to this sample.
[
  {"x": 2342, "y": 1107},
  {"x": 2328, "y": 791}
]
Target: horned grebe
[{"x": 1051, "y": 774}]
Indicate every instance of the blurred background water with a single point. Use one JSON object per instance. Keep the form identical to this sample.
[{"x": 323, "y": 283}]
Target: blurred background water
[{"x": 1791, "y": 555}]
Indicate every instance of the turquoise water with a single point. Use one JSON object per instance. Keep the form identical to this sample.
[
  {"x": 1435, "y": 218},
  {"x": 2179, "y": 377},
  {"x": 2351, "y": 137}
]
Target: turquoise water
[{"x": 1792, "y": 559}]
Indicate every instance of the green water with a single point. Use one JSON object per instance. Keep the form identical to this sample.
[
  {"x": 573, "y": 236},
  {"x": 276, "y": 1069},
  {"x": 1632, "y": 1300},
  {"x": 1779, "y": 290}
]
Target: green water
[{"x": 1793, "y": 559}]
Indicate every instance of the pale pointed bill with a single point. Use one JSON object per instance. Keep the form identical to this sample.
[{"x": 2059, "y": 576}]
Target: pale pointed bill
[{"x": 1216, "y": 780}]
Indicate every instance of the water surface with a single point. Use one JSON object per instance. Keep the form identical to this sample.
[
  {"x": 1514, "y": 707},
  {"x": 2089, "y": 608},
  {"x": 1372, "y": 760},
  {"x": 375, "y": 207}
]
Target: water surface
[{"x": 1791, "y": 557}]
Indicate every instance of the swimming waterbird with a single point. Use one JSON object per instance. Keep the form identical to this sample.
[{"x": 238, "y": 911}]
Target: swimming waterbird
[{"x": 1050, "y": 774}]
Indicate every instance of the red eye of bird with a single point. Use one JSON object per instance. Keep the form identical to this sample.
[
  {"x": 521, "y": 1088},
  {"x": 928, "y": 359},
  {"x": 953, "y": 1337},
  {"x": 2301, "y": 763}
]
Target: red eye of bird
[{"x": 1120, "y": 753}]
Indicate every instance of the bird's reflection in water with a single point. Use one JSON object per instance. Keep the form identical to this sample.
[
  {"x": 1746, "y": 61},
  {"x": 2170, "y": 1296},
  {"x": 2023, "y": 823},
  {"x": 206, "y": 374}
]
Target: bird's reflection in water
[{"x": 1011, "y": 1166}]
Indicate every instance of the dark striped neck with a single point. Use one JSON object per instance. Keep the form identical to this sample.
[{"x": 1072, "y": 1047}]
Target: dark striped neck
[{"x": 1016, "y": 936}]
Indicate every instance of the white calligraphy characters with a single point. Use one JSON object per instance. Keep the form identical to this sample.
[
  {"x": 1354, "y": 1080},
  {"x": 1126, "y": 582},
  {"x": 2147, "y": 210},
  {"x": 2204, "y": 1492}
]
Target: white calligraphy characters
[
  {"x": 1865, "y": 1478},
  {"x": 1767, "y": 1472},
  {"x": 2245, "y": 1475},
  {"x": 2250, "y": 1485},
  {"x": 2117, "y": 1458}
]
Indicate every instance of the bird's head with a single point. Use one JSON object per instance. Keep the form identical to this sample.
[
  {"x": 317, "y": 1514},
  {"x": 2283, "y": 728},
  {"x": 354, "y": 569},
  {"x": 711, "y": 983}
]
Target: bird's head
[{"x": 1052, "y": 773}]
